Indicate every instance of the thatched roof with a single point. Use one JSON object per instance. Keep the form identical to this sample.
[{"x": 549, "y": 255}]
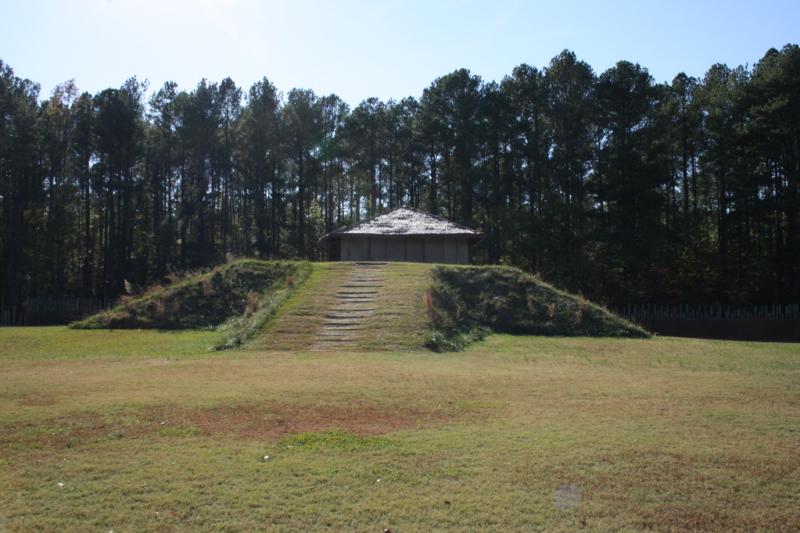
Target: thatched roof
[{"x": 405, "y": 221}]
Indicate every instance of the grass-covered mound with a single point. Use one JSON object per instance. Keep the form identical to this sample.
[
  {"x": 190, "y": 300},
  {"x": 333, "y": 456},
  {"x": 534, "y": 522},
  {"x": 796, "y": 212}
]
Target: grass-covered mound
[
  {"x": 467, "y": 302},
  {"x": 244, "y": 292}
]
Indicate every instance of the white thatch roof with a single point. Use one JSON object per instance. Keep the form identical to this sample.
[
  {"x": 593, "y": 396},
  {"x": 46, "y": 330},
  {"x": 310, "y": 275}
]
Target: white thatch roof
[{"x": 405, "y": 221}]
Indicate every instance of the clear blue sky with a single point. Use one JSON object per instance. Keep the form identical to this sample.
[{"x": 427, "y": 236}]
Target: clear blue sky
[{"x": 357, "y": 49}]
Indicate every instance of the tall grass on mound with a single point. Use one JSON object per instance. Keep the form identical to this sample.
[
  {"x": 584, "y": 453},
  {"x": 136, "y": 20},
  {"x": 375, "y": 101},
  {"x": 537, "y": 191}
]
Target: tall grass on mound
[
  {"x": 465, "y": 303},
  {"x": 261, "y": 308},
  {"x": 244, "y": 287}
]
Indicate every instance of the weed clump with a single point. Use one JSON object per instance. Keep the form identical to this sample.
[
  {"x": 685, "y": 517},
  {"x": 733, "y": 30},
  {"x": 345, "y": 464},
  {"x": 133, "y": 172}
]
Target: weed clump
[{"x": 333, "y": 439}]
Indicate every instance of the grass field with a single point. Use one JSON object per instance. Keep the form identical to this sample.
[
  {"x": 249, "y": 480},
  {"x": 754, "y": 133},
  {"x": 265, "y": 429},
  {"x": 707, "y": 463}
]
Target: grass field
[{"x": 135, "y": 431}]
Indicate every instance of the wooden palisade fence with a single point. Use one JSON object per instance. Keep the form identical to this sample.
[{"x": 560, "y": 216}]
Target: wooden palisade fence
[
  {"x": 49, "y": 311},
  {"x": 772, "y": 322},
  {"x": 708, "y": 312}
]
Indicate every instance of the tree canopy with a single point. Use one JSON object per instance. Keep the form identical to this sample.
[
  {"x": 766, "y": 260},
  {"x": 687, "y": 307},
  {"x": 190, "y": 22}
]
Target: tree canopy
[{"x": 610, "y": 184}]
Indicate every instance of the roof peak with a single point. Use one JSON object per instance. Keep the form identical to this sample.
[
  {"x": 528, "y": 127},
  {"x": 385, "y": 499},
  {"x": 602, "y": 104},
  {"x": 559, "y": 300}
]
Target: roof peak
[{"x": 405, "y": 221}]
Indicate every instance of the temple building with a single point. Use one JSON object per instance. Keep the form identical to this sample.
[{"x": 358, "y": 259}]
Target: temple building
[{"x": 402, "y": 234}]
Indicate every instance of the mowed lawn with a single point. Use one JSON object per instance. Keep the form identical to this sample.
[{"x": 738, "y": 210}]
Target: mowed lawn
[{"x": 148, "y": 431}]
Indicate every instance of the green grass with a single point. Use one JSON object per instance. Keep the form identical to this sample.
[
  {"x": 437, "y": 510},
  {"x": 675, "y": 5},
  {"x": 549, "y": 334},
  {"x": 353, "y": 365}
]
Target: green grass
[
  {"x": 61, "y": 342},
  {"x": 327, "y": 440},
  {"x": 665, "y": 434}
]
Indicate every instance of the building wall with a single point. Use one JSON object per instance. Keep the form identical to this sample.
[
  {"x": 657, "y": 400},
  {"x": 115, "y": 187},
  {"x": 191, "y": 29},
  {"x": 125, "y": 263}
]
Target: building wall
[{"x": 414, "y": 249}]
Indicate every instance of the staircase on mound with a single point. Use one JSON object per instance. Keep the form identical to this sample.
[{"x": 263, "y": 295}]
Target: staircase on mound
[{"x": 354, "y": 306}]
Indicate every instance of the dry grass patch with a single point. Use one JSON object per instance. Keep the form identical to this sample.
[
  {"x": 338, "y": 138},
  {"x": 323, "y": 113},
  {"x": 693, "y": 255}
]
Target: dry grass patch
[
  {"x": 266, "y": 422},
  {"x": 273, "y": 421},
  {"x": 37, "y": 400}
]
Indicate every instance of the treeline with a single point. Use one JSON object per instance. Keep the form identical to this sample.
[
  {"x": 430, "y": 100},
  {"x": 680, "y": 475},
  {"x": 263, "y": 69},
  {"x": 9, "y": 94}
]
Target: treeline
[{"x": 613, "y": 185}]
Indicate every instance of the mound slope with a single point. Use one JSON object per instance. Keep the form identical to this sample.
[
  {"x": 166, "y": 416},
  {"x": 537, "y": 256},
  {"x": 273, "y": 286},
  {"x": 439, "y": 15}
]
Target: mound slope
[
  {"x": 204, "y": 300},
  {"x": 290, "y": 305},
  {"x": 466, "y": 302}
]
